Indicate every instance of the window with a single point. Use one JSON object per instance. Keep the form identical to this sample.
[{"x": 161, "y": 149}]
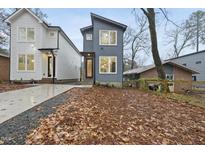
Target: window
[
  {"x": 107, "y": 64},
  {"x": 30, "y": 62},
  {"x": 26, "y": 62},
  {"x": 21, "y": 62},
  {"x": 52, "y": 34},
  {"x": 88, "y": 37},
  {"x": 108, "y": 37},
  {"x": 198, "y": 62},
  {"x": 26, "y": 34},
  {"x": 169, "y": 76},
  {"x": 184, "y": 64},
  {"x": 193, "y": 78}
]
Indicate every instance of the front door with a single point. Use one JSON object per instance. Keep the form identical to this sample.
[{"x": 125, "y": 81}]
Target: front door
[
  {"x": 89, "y": 67},
  {"x": 51, "y": 66}
]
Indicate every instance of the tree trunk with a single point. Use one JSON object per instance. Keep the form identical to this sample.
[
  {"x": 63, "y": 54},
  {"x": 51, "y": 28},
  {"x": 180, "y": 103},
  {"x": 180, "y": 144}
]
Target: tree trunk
[{"x": 152, "y": 28}]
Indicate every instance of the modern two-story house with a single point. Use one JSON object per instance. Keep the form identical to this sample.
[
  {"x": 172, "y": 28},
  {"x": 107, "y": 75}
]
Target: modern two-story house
[
  {"x": 103, "y": 51},
  {"x": 39, "y": 51}
]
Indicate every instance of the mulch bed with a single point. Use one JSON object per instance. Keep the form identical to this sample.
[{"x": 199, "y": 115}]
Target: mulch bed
[
  {"x": 4, "y": 87},
  {"x": 120, "y": 116}
]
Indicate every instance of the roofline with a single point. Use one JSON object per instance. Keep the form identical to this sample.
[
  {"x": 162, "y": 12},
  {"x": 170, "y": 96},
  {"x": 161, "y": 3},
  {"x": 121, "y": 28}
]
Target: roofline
[
  {"x": 17, "y": 11},
  {"x": 123, "y": 26},
  {"x": 190, "y": 54},
  {"x": 48, "y": 26},
  {"x": 167, "y": 62},
  {"x": 4, "y": 55},
  {"x": 86, "y": 28}
]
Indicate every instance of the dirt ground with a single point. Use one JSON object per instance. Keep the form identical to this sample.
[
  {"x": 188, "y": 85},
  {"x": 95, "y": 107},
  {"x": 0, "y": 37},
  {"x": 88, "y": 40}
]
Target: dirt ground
[
  {"x": 120, "y": 116},
  {"x": 8, "y": 87}
]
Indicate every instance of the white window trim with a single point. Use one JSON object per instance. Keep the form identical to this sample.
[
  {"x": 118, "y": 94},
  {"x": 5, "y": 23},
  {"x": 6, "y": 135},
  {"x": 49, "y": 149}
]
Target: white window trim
[
  {"x": 18, "y": 40},
  {"x": 90, "y": 35},
  {"x": 108, "y": 65},
  {"x": 109, "y": 38},
  {"x": 26, "y": 71}
]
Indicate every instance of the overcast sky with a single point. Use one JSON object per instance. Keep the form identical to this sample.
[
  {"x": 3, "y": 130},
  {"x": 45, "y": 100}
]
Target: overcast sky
[{"x": 71, "y": 20}]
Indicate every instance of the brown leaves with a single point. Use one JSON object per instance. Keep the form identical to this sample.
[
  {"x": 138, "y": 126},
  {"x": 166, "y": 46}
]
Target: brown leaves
[{"x": 120, "y": 116}]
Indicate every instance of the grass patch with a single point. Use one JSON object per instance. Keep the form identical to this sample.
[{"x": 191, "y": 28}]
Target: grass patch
[{"x": 200, "y": 102}]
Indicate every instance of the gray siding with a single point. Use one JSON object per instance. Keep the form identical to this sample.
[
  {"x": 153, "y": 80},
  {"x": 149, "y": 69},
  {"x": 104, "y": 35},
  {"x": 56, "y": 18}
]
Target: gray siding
[
  {"x": 87, "y": 44},
  {"x": 101, "y": 50},
  {"x": 191, "y": 60}
]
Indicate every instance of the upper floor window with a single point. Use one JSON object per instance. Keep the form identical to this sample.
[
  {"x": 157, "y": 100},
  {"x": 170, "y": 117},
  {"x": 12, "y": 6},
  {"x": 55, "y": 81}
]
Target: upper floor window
[
  {"x": 198, "y": 62},
  {"x": 108, "y": 37},
  {"x": 169, "y": 77},
  {"x": 26, "y": 34},
  {"x": 89, "y": 37},
  {"x": 52, "y": 34},
  {"x": 184, "y": 64}
]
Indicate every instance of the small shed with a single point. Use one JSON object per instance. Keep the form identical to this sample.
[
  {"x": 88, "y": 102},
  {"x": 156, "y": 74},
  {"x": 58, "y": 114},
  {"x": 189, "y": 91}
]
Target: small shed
[
  {"x": 4, "y": 67},
  {"x": 180, "y": 75}
]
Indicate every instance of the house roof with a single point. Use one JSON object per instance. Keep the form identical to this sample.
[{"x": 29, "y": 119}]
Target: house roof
[
  {"x": 4, "y": 55},
  {"x": 86, "y": 28},
  {"x": 149, "y": 67},
  {"x": 44, "y": 24},
  {"x": 190, "y": 54},
  {"x": 123, "y": 26}
]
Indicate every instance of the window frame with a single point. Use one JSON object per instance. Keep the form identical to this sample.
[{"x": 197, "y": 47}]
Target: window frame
[
  {"x": 90, "y": 35},
  {"x": 109, "y": 68},
  {"x": 169, "y": 76},
  {"x": 26, "y": 40},
  {"x": 26, "y": 62},
  {"x": 109, "y": 44},
  {"x": 52, "y": 37}
]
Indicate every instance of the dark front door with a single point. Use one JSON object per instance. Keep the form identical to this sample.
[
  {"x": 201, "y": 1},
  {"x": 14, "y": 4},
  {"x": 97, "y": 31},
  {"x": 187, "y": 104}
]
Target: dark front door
[{"x": 89, "y": 67}]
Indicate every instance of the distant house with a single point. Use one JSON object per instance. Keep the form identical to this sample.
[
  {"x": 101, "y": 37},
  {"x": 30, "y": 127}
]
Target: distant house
[
  {"x": 194, "y": 60},
  {"x": 103, "y": 51},
  {"x": 39, "y": 51},
  {"x": 4, "y": 66},
  {"x": 174, "y": 72}
]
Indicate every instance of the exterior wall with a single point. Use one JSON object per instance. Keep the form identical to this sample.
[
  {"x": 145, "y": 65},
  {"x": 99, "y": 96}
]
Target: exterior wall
[
  {"x": 182, "y": 80},
  {"x": 68, "y": 61},
  {"x": 26, "y": 20},
  {"x": 149, "y": 74},
  {"x": 190, "y": 61},
  {"x": 87, "y": 44},
  {"x": 4, "y": 68},
  {"x": 101, "y": 50}
]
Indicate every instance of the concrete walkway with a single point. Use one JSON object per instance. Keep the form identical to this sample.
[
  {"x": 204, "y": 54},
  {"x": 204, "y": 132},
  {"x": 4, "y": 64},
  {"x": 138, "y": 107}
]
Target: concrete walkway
[{"x": 15, "y": 102}]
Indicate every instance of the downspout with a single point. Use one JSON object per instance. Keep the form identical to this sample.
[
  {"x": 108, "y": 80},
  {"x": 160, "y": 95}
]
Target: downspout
[{"x": 10, "y": 54}]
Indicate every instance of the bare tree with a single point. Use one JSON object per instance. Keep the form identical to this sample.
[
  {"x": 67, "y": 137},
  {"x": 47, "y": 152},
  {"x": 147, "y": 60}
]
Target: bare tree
[
  {"x": 137, "y": 40},
  {"x": 180, "y": 39},
  {"x": 150, "y": 14}
]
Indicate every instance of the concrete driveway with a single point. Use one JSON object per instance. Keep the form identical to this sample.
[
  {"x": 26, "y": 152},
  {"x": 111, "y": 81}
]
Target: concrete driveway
[{"x": 15, "y": 102}]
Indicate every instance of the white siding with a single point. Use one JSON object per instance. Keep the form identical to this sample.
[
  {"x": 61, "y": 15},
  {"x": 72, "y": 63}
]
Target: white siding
[
  {"x": 25, "y": 20},
  {"x": 68, "y": 61}
]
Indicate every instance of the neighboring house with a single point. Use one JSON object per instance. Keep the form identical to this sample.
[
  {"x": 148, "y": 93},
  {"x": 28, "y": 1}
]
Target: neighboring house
[
  {"x": 39, "y": 51},
  {"x": 181, "y": 75},
  {"x": 128, "y": 64},
  {"x": 103, "y": 51},
  {"x": 4, "y": 67},
  {"x": 194, "y": 60}
]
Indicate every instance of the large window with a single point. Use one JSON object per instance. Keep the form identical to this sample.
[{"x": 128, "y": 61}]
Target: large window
[
  {"x": 108, "y": 37},
  {"x": 26, "y": 34},
  {"x": 107, "y": 64},
  {"x": 26, "y": 62}
]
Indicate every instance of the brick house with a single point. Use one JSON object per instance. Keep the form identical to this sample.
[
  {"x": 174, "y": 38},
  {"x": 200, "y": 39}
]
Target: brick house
[
  {"x": 180, "y": 75},
  {"x": 4, "y": 67}
]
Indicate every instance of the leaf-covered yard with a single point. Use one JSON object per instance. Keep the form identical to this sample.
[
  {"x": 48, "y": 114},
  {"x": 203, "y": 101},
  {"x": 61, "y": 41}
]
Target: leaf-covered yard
[
  {"x": 4, "y": 87},
  {"x": 120, "y": 116}
]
